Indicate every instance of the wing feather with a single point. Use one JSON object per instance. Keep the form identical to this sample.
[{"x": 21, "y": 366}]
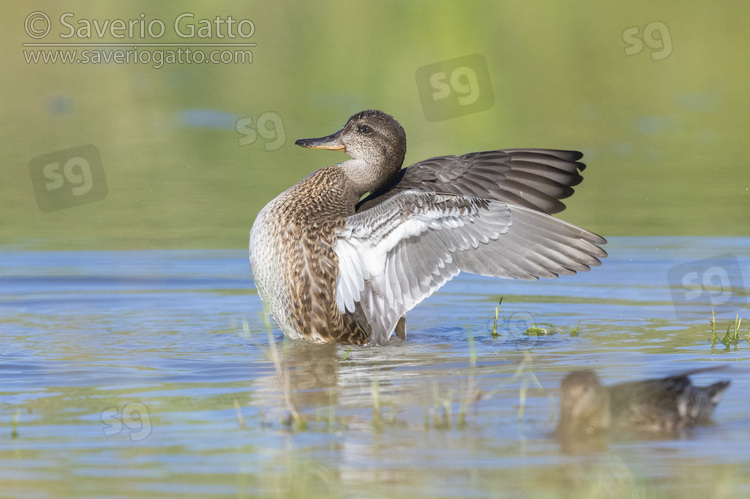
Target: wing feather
[
  {"x": 397, "y": 253},
  {"x": 532, "y": 178}
]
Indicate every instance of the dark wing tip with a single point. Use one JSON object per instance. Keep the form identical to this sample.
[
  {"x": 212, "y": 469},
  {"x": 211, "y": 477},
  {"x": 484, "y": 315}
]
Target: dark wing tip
[{"x": 534, "y": 178}]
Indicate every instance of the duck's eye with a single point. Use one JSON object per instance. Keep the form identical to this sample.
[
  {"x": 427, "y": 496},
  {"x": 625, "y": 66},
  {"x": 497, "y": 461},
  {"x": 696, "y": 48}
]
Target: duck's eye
[{"x": 364, "y": 129}]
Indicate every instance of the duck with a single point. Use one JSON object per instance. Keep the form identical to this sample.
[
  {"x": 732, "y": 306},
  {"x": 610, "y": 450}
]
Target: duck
[
  {"x": 344, "y": 254},
  {"x": 660, "y": 405}
]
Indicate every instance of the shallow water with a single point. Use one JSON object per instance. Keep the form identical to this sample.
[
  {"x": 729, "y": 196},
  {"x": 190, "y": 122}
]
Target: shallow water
[{"x": 151, "y": 373}]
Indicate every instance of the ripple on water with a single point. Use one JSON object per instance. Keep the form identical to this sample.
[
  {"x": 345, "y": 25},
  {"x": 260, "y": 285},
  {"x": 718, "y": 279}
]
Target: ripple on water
[{"x": 137, "y": 370}]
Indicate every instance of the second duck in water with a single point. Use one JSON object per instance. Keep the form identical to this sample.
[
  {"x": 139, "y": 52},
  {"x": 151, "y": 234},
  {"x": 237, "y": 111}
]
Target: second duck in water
[
  {"x": 656, "y": 405},
  {"x": 334, "y": 267}
]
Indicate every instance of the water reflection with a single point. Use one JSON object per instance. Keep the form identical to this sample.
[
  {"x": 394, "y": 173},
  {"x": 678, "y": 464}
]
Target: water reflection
[
  {"x": 177, "y": 337},
  {"x": 309, "y": 378}
]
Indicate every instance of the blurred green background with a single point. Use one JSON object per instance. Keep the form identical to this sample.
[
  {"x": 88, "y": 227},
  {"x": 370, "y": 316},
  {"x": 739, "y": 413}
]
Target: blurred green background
[{"x": 663, "y": 129}]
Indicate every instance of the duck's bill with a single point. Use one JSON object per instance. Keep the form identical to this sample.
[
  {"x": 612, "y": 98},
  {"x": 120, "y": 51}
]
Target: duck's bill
[{"x": 332, "y": 142}]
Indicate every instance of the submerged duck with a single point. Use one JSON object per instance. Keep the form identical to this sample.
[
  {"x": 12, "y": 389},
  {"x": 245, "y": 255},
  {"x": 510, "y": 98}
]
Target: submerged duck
[
  {"x": 655, "y": 405},
  {"x": 333, "y": 267}
]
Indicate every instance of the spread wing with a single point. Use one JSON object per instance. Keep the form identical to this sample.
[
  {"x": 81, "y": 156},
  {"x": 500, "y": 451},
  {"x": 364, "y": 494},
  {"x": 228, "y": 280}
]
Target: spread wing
[
  {"x": 397, "y": 253},
  {"x": 530, "y": 178}
]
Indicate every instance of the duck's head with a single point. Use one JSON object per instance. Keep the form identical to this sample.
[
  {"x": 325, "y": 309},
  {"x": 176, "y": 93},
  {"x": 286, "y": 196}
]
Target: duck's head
[
  {"x": 375, "y": 141},
  {"x": 584, "y": 405}
]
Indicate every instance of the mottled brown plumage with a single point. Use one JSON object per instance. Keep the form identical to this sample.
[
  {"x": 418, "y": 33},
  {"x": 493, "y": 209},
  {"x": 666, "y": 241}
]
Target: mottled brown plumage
[
  {"x": 302, "y": 223},
  {"x": 308, "y": 215},
  {"x": 331, "y": 268}
]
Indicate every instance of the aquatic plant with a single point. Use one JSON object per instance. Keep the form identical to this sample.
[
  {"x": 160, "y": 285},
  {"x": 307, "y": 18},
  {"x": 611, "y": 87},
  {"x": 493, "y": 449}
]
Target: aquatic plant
[
  {"x": 732, "y": 337},
  {"x": 494, "y": 325}
]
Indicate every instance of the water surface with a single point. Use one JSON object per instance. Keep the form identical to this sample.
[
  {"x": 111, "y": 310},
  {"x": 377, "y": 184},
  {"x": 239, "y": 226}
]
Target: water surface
[{"x": 150, "y": 373}]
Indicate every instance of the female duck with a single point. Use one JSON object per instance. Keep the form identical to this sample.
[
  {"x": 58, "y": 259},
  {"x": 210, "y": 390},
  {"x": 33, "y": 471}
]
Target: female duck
[
  {"x": 333, "y": 268},
  {"x": 655, "y": 405}
]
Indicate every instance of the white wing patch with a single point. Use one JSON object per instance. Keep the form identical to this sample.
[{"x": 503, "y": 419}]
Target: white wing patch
[
  {"x": 397, "y": 253},
  {"x": 391, "y": 256}
]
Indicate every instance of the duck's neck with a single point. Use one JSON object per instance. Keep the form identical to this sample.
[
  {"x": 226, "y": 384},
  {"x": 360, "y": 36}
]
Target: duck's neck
[
  {"x": 366, "y": 175},
  {"x": 362, "y": 176}
]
